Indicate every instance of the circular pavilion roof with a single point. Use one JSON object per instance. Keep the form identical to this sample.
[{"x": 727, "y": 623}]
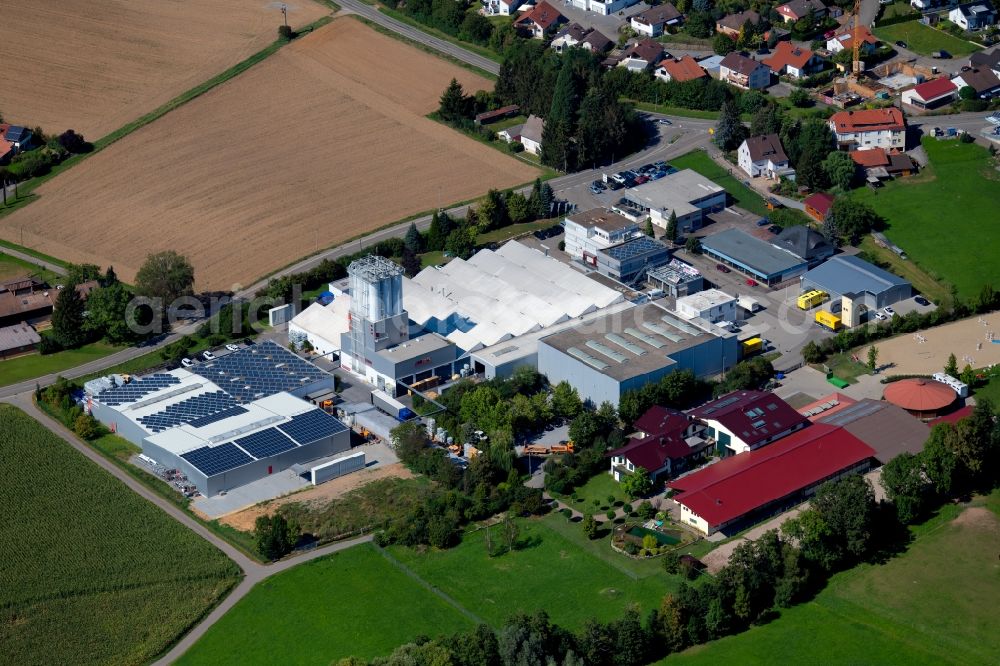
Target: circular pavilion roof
[{"x": 920, "y": 395}]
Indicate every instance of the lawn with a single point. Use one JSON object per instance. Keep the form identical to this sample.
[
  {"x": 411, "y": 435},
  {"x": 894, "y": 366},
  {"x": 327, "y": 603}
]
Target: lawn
[
  {"x": 598, "y": 488},
  {"x": 742, "y": 195},
  {"x": 350, "y": 603},
  {"x": 548, "y": 571},
  {"x": 12, "y": 267},
  {"x": 508, "y": 232},
  {"x": 933, "y": 604},
  {"x": 26, "y": 367},
  {"x": 923, "y": 215},
  {"x": 93, "y": 573},
  {"x": 843, "y": 367},
  {"x": 914, "y": 274},
  {"x": 990, "y": 391},
  {"x": 924, "y": 40}
]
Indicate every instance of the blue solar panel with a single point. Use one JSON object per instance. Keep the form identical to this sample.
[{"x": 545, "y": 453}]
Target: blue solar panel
[
  {"x": 311, "y": 426},
  {"x": 136, "y": 390},
  {"x": 265, "y": 443},
  {"x": 260, "y": 370},
  {"x": 185, "y": 411},
  {"x": 214, "y": 418},
  {"x": 216, "y": 459}
]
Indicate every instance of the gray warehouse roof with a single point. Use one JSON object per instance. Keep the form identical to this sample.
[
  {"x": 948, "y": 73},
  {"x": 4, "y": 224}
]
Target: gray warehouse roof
[
  {"x": 752, "y": 252},
  {"x": 845, "y": 274},
  {"x": 631, "y": 343},
  {"x": 634, "y": 247}
]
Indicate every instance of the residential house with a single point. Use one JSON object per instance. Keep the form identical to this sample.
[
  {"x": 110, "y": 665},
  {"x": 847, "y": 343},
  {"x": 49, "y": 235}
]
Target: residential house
[
  {"x": 764, "y": 156},
  {"x": 818, "y": 205},
  {"x": 596, "y": 42},
  {"x": 18, "y": 339},
  {"x": 604, "y": 7},
  {"x": 664, "y": 444},
  {"x": 20, "y": 137},
  {"x": 878, "y": 163},
  {"x": 25, "y": 299},
  {"x": 743, "y": 72},
  {"x": 869, "y": 128},
  {"x": 746, "y": 420},
  {"x": 731, "y": 24},
  {"x": 571, "y": 35},
  {"x": 985, "y": 82},
  {"x": 6, "y": 152},
  {"x": 653, "y": 21},
  {"x": 642, "y": 55},
  {"x": 685, "y": 69},
  {"x": 500, "y": 7},
  {"x": 986, "y": 60},
  {"x": 528, "y": 134},
  {"x": 799, "y": 9},
  {"x": 794, "y": 61},
  {"x": 542, "y": 20},
  {"x": 973, "y": 15},
  {"x": 845, "y": 40},
  {"x": 931, "y": 94},
  {"x": 805, "y": 243}
]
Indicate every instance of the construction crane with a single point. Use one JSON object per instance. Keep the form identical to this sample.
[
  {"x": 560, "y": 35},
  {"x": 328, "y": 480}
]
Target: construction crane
[{"x": 856, "y": 41}]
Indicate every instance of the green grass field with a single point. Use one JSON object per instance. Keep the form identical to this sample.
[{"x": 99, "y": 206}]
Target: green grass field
[
  {"x": 946, "y": 218},
  {"x": 13, "y": 267},
  {"x": 26, "y": 367},
  {"x": 933, "y": 604},
  {"x": 92, "y": 573},
  {"x": 600, "y": 488},
  {"x": 351, "y": 603},
  {"x": 924, "y": 40},
  {"x": 743, "y": 196},
  {"x": 548, "y": 572}
]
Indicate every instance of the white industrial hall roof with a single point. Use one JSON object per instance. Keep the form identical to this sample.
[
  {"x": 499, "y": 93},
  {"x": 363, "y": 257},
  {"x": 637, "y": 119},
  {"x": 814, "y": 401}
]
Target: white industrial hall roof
[{"x": 498, "y": 295}]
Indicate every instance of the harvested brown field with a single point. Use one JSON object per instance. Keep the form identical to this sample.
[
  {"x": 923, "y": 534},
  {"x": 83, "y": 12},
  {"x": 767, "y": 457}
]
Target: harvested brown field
[
  {"x": 95, "y": 65},
  {"x": 321, "y": 142}
]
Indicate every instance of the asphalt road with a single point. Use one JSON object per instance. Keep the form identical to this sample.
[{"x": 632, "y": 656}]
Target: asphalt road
[
  {"x": 416, "y": 35},
  {"x": 24, "y": 256}
]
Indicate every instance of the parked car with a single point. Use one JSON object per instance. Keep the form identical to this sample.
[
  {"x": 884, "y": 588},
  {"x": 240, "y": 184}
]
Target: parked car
[
  {"x": 921, "y": 300},
  {"x": 941, "y": 55},
  {"x": 900, "y": 43},
  {"x": 774, "y": 229},
  {"x": 879, "y": 315},
  {"x": 888, "y": 311},
  {"x": 539, "y": 234},
  {"x": 208, "y": 356},
  {"x": 646, "y": 168},
  {"x": 722, "y": 268},
  {"x": 595, "y": 190},
  {"x": 186, "y": 362},
  {"x": 763, "y": 222},
  {"x": 664, "y": 121},
  {"x": 641, "y": 179},
  {"x": 555, "y": 230},
  {"x": 599, "y": 185},
  {"x": 232, "y": 347},
  {"x": 656, "y": 175},
  {"x": 614, "y": 185},
  {"x": 994, "y": 118},
  {"x": 751, "y": 282}
]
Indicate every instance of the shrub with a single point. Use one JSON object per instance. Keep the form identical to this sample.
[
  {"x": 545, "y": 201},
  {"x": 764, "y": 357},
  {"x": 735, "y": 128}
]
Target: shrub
[
  {"x": 631, "y": 548},
  {"x": 610, "y": 514},
  {"x": 285, "y": 32}
]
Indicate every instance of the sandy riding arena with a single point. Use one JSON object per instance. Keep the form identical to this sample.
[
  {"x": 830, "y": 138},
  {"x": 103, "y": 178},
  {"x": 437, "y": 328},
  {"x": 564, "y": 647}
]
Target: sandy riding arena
[
  {"x": 926, "y": 352},
  {"x": 321, "y": 142},
  {"x": 95, "y": 65}
]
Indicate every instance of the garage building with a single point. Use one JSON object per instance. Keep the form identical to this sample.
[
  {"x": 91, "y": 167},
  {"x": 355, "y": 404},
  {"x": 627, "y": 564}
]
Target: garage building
[
  {"x": 848, "y": 275},
  {"x": 759, "y": 259}
]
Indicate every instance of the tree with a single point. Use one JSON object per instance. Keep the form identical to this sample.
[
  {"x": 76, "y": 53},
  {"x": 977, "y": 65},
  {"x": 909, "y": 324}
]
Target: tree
[
  {"x": 80, "y": 273},
  {"x": 638, "y": 483},
  {"x": 729, "y": 132},
  {"x": 589, "y": 526},
  {"x": 671, "y": 233},
  {"x": 839, "y": 169},
  {"x": 74, "y": 143},
  {"x": 648, "y": 228},
  {"x": 517, "y": 208},
  {"x": 454, "y": 105},
  {"x": 848, "y": 507},
  {"x": 274, "y": 537},
  {"x": 566, "y": 400},
  {"x": 165, "y": 276},
  {"x": 693, "y": 245},
  {"x": 952, "y": 367},
  {"x": 967, "y": 92},
  {"x": 830, "y": 231},
  {"x": 723, "y": 44},
  {"x": 412, "y": 240},
  {"x": 854, "y": 218},
  {"x": 815, "y": 538},
  {"x": 492, "y": 212},
  {"x": 460, "y": 243},
  {"x": 872, "y": 358},
  {"x": 903, "y": 481},
  {"x": 410, "y": 262},
  {"x": 717, "y": 618},
  {"x": 811, "y": 353},
  {"x": 106, "y": 314},
  {"x": 476, "y": 28},
  {"x": 110, "y": 277},
  {"x": 939, "y": 461},
  {"x": 766, "y": 120},
  {"x": 67, "y": 318},
  {"x": 799, "y": 97},
  {"x": 86, "y": 427}
]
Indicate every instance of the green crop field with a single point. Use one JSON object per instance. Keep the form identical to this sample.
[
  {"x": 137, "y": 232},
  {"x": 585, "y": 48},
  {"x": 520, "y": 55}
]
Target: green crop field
[
  {"x": 743, "y": 196},
  {"x": 92, "y": 573},
  {"x": 351, "y": 603},
  {"x": 933, "y": 604},
  {"x": 946, "y": 217},
  {"x": 549, "y": 571},
  {"x": 923, "y": 40}
]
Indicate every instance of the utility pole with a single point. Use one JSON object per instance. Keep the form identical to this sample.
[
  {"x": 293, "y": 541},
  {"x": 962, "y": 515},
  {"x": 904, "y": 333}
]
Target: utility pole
[{"x": 284, "y": 13}]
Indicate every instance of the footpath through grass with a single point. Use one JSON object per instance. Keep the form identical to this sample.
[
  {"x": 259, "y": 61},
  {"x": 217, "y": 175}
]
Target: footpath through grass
[
  {"x": 23, "y": 368},
  {"x": 13, "y": 267},
  {"x": 948, "y": 217},
  {"x": 936, "y": 603},
  {"x": 350, "y": 603},
  {"x": 742, "y": 195},
  {"x": 924, "y": 40},
  {"x": 93, "y": 573}
]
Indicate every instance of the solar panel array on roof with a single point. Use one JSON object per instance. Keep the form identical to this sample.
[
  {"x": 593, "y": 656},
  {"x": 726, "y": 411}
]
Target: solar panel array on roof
[
  {"x": 311, "y": 426},
  {"x": 206, "y": 404},
  {"x": 215, "y": 418},
  {"x": 136, "y": 390},
  {"x": 212, "y": 460},
  {"x": 258, "y": 371},
  {"x": 265, "y": 443}
]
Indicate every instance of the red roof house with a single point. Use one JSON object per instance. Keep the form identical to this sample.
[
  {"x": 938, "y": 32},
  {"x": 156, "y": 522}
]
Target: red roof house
[
  {"x": 739, "y": 488},
  {"x": 792, "y": 60},
  {"x": 663, "y": 444},
  {"x": 685, "y": 69},
  {"x": 746, "y": 420},
  {"x": 869, "y": 128},
  {"x": 930, "y": 94},
  {"x": 819, "y": 205},
  {"x": 540, "y": 20}
]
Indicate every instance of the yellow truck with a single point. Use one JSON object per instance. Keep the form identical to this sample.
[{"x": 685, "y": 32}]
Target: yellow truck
[
  {"x": 811, "y": 299},
  {"x": 752, "y": 346},
  {"x": 828, "y": 320}
]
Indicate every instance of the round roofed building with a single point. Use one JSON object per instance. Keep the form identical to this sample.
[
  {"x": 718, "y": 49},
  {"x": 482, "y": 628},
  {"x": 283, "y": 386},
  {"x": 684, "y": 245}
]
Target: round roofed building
[{"x": 924, "y": 398}]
